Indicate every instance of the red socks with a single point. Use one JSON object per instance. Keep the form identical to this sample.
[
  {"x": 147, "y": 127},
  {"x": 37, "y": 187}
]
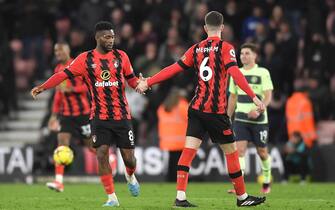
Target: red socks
[
  {"x": 130, "y": 171},
  {"x": 59, "y": 169},
  {"x": 235, "y": 173},
  {"x": 108, "y": 183},
  {"x": 183, "y": 167}
]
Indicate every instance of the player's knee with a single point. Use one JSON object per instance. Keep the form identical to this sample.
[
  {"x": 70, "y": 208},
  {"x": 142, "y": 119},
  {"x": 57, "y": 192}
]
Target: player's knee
[
  {"x": 130, "y": 161},
  {"x": 102, "y": 154},
  {"x": 92, "y": 150},
  {"x": 263, "y": 154},
  {"x": 241, "y": 152},
  {"x": 64, "y": 139}
]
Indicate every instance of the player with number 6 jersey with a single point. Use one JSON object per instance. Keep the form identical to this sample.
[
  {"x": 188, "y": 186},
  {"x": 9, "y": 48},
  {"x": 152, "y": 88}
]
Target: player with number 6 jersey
[{"x": 212, "y": 59}]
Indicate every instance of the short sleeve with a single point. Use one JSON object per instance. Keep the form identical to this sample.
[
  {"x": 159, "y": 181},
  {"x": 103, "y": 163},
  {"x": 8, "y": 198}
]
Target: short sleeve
[
  {"x": 232, "y": 86},
  {"x": 127, "y": 67},
  {"x": 266, "y": 81},
  {"x": 187, "y": 61},
  {"x": 229, "y": 56},
  {"x": 76, "y": 67}
]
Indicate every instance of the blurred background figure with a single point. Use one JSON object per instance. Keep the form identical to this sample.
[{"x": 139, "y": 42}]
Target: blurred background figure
[
  {"x": 299, "y": 115},
  {"x": 172, "y": 124},
  {"x": 295, "y": 158}
]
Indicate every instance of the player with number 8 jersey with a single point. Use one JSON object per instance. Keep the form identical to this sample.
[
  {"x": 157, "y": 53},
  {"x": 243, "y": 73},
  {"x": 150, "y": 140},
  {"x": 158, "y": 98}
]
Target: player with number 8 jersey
[
  {"x": 212, "y": 59},
  {"x": 106, "y": 71}
]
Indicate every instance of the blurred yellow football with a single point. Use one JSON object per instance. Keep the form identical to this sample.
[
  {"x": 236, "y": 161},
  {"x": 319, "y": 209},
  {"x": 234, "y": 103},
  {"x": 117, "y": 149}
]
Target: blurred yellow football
[
  {"x": 63, "y": 155},
  {"x": 260, "y": 179}
]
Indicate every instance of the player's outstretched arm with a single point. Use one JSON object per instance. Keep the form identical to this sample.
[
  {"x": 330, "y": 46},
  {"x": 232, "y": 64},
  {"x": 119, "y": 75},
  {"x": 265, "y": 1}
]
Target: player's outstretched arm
[
  {"x": 52, "y": 82},
  {"x": 165, "y": 74}
]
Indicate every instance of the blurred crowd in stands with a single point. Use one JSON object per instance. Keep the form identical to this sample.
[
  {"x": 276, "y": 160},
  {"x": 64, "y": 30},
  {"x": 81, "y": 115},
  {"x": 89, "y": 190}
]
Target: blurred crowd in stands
[{"x": 296, "y": 40}]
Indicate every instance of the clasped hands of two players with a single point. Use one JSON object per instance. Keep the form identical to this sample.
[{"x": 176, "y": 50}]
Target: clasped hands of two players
[{"x": 142, "y": 85}]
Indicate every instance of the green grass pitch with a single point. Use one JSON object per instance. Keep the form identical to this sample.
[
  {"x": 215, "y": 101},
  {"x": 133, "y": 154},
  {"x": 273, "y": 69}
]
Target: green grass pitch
[{"x": 156, "y": 196}]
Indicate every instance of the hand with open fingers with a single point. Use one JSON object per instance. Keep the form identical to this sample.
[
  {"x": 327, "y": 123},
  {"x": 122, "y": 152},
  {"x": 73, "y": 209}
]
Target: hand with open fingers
[
  {"x": 36, "y": 90},
  {"x": 53, "y": 123}
]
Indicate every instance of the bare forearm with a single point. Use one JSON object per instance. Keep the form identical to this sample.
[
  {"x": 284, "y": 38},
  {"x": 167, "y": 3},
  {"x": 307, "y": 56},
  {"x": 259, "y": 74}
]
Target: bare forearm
[{"x": 267, "y": 97}]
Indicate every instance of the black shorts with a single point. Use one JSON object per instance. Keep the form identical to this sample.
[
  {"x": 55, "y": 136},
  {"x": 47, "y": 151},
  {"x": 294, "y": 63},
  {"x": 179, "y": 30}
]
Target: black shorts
[
  {"x": 108, "y": 132},
  {"x": 76, "y": 125},
  {"x": 256, "y": 133},
  {"x": 218, "y": 126}
]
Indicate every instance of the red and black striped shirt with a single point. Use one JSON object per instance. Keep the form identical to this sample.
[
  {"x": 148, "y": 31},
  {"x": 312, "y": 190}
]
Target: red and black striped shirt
[
  {"x": 211, "y": 59},
  {"x": 74, "y": 103},
  {"x": 105, "y": 76}
]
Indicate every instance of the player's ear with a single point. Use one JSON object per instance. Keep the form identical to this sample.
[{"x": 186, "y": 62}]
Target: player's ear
[
  {"x": 97, "y": 36},
  {"x": 222, "y": 27}
]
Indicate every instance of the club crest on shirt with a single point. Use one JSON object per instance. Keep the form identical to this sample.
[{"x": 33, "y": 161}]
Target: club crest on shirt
[
  {"x": 254, "y": 80},
  {"x": 232, "y": 53},
  {"x": 116, "y": 63}
]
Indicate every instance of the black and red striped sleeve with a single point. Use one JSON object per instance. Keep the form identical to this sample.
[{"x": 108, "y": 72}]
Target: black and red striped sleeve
[
  {"x": 187, "y": 61},
  {"x": 128, "y": 71},
  {"x": 228, "y": 55}
]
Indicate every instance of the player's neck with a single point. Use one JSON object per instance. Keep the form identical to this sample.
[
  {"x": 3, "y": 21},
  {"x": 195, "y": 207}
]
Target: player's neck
[
  {"x": 214, "y": 34},
  {"x": 249, "y": 66},
  {"x": 100, "y": 50},
  {"x": 65, "y": 61}
]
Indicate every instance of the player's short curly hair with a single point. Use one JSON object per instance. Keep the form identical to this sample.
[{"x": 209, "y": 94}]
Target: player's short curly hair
[{"x": 103, "y": 25}]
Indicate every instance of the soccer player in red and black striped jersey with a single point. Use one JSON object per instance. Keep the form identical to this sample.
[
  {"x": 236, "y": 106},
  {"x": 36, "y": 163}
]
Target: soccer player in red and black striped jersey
[
  {"x": 71, "y": 108},
  {"x": 213, "y": 59},
  {"x": 106, "y": 70}
]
